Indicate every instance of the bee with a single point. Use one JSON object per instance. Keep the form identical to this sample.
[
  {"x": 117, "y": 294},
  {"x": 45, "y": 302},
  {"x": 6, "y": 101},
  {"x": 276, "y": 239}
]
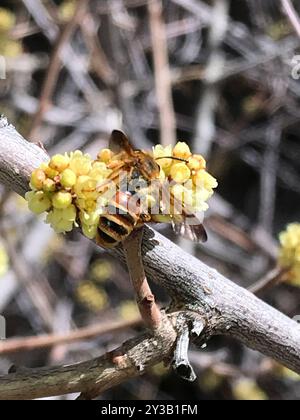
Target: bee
[{"x": 120, "y": 218}]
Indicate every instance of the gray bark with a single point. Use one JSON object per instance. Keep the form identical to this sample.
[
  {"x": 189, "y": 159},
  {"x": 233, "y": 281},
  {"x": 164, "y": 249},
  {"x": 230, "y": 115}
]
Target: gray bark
[{"x": 225, "y": 308}]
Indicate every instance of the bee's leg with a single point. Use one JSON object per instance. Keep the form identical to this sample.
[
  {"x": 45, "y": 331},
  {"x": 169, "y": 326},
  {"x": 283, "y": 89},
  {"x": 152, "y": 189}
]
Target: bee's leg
[{"x": 149, "y": 311}]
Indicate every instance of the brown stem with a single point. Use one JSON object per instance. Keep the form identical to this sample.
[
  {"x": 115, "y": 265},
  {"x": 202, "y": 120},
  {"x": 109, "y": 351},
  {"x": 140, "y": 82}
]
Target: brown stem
[
  {"x": 144, "y": 297},
  {"x": 46, "y": 341},
  {"x": 99, "y": 60},
  {"x": 93, "y": 377},
  {"x": 54, "y": 68},
  {"x": 271, "y": 279},
  {"x": 163, "y": 79}
]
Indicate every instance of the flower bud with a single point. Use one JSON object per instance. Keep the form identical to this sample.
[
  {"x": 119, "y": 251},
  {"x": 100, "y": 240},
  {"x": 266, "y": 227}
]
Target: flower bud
[
  {"x": 196, "y": 162},
  {"x": 203, "y": 179},
  {"x": 201, "y": 160},
  {"x": 70, "y": 213},
  {"x": 89, "y": 231},
  {"x": 59, "y": 162},
  {"x": 68, "y": 178},
  {"x": 37, "y": 179},
  {"x": 49, "y": 185},
  {"x": 180, "y": 172},
  {"x": 160, "y": 152},
  {"x": 51, "y": 173},
  {"x": 105, "y": 155},
  {"x": 289, "y": 256},
  {"x": 62, "y": 200},
  {"x": 182, "y": 151},
  {"x": 38, "y": 201},
  {"x": 80, "y": 163}
]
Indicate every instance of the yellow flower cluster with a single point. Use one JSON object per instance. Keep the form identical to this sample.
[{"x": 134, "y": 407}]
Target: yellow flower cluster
[
  {"x": 91, "y": 296},
  {"x": 192, "y": 184},
  {"x": 128, "y": 310},
  {"x": 290, "y": 252},
  {"x": 8, "y": 46},
  {"x": 66, "y": 10},
  {"x": 3, "y": 261},
  {"x": 66, "y": 188},
  {"x": 246, "y": 389}
]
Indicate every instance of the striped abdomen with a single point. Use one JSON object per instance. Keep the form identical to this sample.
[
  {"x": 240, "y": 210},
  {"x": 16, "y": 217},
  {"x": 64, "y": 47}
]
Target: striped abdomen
[{"x": 117, "y": 223}]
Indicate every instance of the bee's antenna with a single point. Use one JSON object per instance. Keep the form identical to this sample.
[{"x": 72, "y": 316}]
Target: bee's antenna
[{"x": 174, "y": 158}]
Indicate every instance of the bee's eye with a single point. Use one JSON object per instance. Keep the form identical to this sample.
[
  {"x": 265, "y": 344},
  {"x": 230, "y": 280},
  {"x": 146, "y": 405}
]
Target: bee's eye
[{"x": 135, "y": 174}]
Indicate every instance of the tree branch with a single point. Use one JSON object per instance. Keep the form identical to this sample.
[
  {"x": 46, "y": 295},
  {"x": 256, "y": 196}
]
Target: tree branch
[
  {"x": 14, "y": 345},
  {"x": 200, "y": 292},
  {"x": 132, "y": 359}
]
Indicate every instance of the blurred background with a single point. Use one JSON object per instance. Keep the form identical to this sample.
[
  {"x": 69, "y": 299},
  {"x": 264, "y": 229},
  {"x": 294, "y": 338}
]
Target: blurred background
[{"x": 221, "y": 75}]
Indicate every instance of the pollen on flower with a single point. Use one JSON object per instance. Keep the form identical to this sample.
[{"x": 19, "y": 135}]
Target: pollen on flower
[{"x": 289, "y": 255}]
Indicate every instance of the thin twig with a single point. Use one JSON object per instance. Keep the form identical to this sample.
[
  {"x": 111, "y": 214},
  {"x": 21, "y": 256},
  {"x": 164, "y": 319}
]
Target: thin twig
[
  {"x": 205, "y": 129},
  {"x": 163, "y": 78},
  {"x": 271, "y": 279},
  {"x": 54, "y": 68},
  {"x": 268, "y": 175},
  {"x": 39, "y": 297},
  {"x": 93, "y": 377},
  {"x": 145, "y": 299},
  {"x": 98, "y": 58},
  {"x": 291, "y": 14},
  {"x": 46, "y": 341}
]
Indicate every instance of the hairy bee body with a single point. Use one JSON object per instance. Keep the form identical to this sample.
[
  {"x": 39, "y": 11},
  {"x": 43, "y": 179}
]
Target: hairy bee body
[
  {"x": 121, "y": 218},
  {"x": 118, "y": 222}
]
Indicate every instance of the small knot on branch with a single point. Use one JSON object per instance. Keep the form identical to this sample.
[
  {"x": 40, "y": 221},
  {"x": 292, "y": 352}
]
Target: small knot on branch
[
  {"x": 187, "y": 327},
  {"x": 150, "y": 311}
]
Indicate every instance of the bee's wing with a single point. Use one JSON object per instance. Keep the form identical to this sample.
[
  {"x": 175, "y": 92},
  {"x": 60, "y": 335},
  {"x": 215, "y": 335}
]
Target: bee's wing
[
  {"x": 188, "y": 223},
  {"x": 194, "y": 232},
  {"x": 119, "y": 142}
]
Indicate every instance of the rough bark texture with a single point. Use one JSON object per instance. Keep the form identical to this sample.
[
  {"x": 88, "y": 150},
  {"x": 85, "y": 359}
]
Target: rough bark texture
[
  {"x": 18, "y": 158},
  {"x": 92, "y": 377},
  {"x": 194, "y": 287}
]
